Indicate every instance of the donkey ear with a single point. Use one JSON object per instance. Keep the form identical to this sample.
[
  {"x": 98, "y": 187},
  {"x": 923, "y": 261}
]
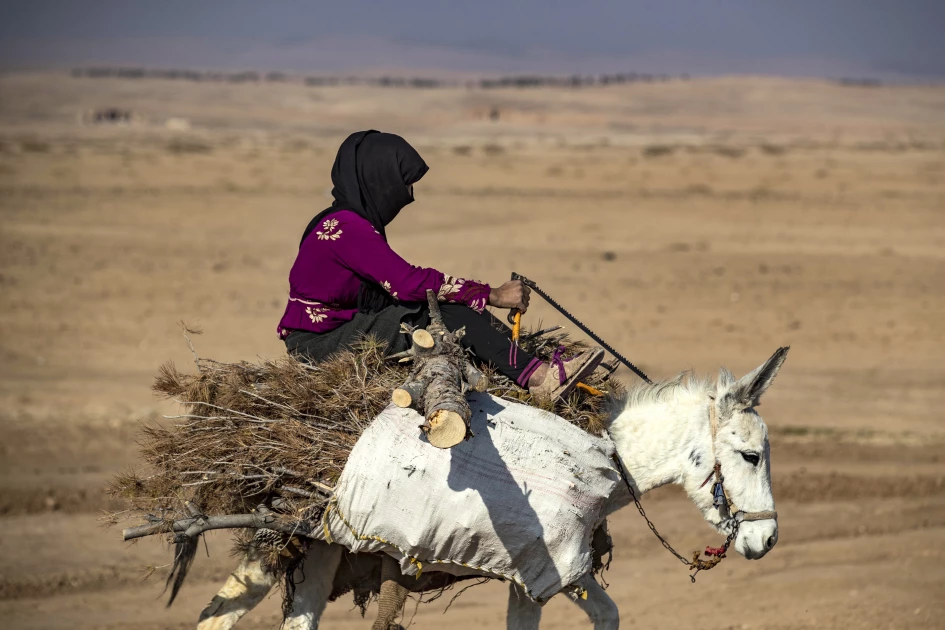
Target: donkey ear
[
  {"x": 749, "y": 388},
  {"x": 726, "y": 378}
]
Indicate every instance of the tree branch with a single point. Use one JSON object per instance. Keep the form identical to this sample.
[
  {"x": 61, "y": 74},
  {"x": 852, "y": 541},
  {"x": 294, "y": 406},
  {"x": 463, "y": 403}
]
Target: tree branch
[{"x": 196, "y": 525}]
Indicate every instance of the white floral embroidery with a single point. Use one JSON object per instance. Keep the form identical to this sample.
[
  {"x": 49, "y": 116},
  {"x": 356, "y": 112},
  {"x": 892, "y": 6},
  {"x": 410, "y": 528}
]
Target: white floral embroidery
[
  {"x": 328, "y": 231},
  {"x": 316, "y": 313},
  {"x": 386, "y": 286},
  {"x": 450, "y": 287}
]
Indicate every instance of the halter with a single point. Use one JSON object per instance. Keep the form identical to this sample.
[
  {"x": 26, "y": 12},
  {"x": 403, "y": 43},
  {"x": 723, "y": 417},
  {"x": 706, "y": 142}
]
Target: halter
[{"x": 719, "y": 493}]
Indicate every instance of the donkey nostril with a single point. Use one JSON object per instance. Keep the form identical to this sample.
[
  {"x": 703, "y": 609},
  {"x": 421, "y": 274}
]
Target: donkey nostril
[{"x": 770, "y": 542}]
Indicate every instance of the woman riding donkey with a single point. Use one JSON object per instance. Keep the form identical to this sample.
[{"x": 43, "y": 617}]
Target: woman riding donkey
[{"x": 347, "y": 282}]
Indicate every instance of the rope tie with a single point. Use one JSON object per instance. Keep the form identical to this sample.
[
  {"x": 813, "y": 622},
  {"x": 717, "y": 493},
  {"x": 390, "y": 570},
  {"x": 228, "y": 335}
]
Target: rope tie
[
  {"x": 417, "y": 564},
  {"x": 557, "y": 360},
  {"x": 326, "y": 529}
]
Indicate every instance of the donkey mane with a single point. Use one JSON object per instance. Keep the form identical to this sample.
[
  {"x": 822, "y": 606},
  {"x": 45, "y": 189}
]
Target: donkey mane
[{"x": 684, "y": 384}]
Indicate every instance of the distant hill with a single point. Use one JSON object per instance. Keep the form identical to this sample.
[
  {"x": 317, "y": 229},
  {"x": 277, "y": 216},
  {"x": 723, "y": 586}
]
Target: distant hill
[{"x": 373, "y": 56}]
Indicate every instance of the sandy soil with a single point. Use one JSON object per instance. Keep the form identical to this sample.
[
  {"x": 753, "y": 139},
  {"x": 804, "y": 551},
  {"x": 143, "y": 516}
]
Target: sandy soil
[{"x": 694, "y": 224}]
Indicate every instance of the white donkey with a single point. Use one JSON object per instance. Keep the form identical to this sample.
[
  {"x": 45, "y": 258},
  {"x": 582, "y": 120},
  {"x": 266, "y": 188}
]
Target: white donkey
[{"x": 672, "y": 432}]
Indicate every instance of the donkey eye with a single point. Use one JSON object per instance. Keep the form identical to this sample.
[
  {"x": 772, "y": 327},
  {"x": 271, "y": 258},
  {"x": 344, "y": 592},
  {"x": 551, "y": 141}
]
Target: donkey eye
[{"x": 751, "y": 458}]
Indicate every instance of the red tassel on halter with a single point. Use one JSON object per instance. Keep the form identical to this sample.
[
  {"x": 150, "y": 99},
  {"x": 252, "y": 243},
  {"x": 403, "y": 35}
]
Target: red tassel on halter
[
  {"x": 715, "y": 551},
  {"x": 707, "y": 479}
]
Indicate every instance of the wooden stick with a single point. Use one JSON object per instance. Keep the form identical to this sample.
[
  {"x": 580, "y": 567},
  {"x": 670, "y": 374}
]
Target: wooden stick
[
  {"x": 326, "y": 490},
  {"x": 406, "y": 355},
  {"x": 540, "y": 333},
  {"x": 197, "y": 525},
  {"x": 297, "y": 491},
  {"x": 436, "y": 317},
  {"x": 478, "y": 382}
]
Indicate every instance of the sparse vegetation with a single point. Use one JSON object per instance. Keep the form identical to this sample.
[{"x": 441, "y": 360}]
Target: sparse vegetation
[
  {"x": 699, "y": 189},
  {"x": 726, "y": 151},
  {"x": 181, "y": 146},
  {"x": 773, "y": 149},
  {"x": 32, "y": 145},
  {"x": 658, "y": 150}
]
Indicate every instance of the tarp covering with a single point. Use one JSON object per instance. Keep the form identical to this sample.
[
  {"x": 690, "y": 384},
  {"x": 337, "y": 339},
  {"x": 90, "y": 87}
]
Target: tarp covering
[{"x": 520, "y": 500}]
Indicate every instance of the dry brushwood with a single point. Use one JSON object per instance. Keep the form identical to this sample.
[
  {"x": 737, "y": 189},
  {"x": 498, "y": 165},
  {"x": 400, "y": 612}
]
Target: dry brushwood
[
  {"x": 278, "y": 433},
  {"x": 436, "y": 387}
]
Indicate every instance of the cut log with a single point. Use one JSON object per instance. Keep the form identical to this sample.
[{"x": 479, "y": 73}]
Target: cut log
[
  {"x": 445, "y": 428},
  {"x": 409, "y": 394},
  {"x": 436, "y": 387},
  {"x": 423, "y": 339}
]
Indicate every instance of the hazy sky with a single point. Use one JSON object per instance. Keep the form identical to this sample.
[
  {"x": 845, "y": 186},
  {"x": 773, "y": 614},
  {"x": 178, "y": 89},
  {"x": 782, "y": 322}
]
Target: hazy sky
[{"x": 793, "y": 37}]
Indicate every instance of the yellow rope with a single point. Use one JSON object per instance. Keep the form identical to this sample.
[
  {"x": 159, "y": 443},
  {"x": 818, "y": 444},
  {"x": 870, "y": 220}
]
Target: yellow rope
[
  {"x": 593, "y": 391},
  {"x": 328, "y": 537}
]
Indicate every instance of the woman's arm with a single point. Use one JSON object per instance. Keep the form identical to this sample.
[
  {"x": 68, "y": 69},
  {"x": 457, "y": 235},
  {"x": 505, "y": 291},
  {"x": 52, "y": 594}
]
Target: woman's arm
[{"x": 362, "y": 250}]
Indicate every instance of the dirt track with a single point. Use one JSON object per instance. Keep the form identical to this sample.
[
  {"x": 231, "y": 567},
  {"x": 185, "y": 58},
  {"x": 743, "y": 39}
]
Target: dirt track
[{"x": 694, "y": 224}]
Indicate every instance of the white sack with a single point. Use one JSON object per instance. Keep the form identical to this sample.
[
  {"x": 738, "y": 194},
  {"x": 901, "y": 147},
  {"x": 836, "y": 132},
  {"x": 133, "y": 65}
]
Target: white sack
[{"x": 520, "y": 500}]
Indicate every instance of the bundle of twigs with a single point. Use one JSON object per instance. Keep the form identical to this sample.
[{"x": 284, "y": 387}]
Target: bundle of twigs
[{"x": 263, "y": 444}]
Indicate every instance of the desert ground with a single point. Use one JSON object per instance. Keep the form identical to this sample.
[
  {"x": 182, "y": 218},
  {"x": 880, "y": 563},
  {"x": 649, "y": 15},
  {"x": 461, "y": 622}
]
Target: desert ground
[{"x": 692, "y": 223}]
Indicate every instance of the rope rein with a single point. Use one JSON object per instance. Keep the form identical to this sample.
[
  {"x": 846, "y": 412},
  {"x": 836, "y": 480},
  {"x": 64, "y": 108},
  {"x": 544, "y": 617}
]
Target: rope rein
[{"x": 696, "y": 564}]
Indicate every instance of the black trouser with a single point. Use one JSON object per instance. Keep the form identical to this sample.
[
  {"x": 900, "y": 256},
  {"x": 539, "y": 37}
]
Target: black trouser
[{"x": 488, "y": 338}]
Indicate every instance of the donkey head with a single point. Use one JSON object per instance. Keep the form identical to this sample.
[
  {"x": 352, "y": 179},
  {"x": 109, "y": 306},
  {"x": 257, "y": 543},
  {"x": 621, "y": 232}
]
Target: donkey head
[{"x": 741, "y": 449}]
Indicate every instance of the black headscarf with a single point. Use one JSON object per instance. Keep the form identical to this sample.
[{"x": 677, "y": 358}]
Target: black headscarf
[{"x": 370, "y": 175}]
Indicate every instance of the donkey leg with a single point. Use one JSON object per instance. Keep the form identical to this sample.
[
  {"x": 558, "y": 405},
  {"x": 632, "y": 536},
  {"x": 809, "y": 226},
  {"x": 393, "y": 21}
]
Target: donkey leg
[
  {"x": 523, "y": 613},
  {"x": 244, "y": 589},
  {"x": 313, "y": 584},
  {"x": 392, "y": 597},
  {"x": 599, "y": 607}
]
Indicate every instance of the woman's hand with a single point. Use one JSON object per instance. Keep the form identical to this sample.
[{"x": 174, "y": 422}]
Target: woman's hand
[{"x": 512, "y": 294}]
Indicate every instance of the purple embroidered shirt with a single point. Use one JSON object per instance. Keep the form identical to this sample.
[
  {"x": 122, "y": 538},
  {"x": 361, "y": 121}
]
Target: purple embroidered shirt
[{"x": 333, "y": 260}]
